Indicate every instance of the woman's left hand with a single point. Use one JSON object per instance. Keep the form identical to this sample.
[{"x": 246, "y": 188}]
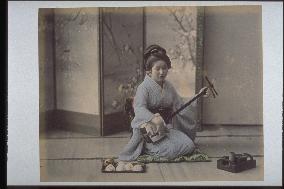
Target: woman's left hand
[{"x": 205, "y": 92}]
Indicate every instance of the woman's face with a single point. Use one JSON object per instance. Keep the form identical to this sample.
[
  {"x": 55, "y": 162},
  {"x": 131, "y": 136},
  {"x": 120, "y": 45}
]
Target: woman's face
[{"x": 159, "y": 71}]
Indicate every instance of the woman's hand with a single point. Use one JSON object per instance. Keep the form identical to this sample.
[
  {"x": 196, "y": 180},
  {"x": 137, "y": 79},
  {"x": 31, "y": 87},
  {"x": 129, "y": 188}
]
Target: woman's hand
[
  {"x": 150, "y": 128},
  {"x": 205, "y": 92},
  {"x": 158, "y": 119},
  {"x": 159, "y": 122},
  {"x": 156, "y": 125}
]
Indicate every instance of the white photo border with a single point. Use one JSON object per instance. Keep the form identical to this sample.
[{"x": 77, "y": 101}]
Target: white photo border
[{"x": 23, "y": 166}]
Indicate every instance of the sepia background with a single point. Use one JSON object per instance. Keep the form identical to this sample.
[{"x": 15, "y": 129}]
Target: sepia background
[{"x": 90, "y": 61}]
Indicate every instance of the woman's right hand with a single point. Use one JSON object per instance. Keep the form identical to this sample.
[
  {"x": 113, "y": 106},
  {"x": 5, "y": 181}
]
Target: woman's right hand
[
  {"x": 150, "y": 128},
  {"x": 156, "y": 125},
  {"x": 159, "y": 122}
]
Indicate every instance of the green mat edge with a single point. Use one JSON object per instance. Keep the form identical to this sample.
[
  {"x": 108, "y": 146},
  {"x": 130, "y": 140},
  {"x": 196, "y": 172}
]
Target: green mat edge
[{"x": 196, "y": 152}]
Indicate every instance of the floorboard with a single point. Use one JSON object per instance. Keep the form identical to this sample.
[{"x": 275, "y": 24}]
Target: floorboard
[
  {"x": 69, "y": 156},
  {"x": 220, "y": 130},
  {"x": 111, "y": 147},
  {"x": 220, "y": 146},
  {"x": 90, "y": 171},
  {"x": 216, "y": 130},
  {"x": 207, "y": 171}
]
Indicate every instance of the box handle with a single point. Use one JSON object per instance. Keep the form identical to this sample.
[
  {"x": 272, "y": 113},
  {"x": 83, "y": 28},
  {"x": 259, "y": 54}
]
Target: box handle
[{"x": 248, "y": 155}]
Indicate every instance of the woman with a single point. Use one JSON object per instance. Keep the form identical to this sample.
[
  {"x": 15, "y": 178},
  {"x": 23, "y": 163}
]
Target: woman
[{"x": 153, "y": 93}]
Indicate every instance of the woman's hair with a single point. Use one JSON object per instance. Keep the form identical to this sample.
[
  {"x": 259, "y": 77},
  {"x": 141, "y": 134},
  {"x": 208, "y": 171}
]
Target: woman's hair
[{"x": 154, "y": 53}]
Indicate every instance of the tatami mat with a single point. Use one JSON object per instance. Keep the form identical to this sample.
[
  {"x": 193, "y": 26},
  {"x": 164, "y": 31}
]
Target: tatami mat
[{"x": 67, "y": 157}]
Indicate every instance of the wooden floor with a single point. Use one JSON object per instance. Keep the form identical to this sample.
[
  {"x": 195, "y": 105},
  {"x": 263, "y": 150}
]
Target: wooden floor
[{"x": 75, "y": 157}]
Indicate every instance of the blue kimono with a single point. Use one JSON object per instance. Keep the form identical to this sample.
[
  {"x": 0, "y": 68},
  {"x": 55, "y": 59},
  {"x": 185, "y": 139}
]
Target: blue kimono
[{"x": 182, "y": 129}]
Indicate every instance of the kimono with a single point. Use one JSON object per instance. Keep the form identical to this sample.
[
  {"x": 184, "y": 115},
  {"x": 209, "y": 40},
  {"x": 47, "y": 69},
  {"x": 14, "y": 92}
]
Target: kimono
[{"x": 182, "y": 129}]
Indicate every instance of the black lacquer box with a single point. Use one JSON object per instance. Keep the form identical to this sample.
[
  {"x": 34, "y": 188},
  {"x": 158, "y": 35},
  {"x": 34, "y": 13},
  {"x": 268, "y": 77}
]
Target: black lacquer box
[{"x": 236, "y": 162}]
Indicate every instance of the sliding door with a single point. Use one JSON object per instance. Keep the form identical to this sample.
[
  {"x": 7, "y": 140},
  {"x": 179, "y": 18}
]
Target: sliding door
[{"x": 121, "y": 63}]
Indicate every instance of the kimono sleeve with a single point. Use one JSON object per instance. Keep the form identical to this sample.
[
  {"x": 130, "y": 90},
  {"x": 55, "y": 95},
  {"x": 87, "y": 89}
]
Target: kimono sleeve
[{"x": 142, "y": 114}]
